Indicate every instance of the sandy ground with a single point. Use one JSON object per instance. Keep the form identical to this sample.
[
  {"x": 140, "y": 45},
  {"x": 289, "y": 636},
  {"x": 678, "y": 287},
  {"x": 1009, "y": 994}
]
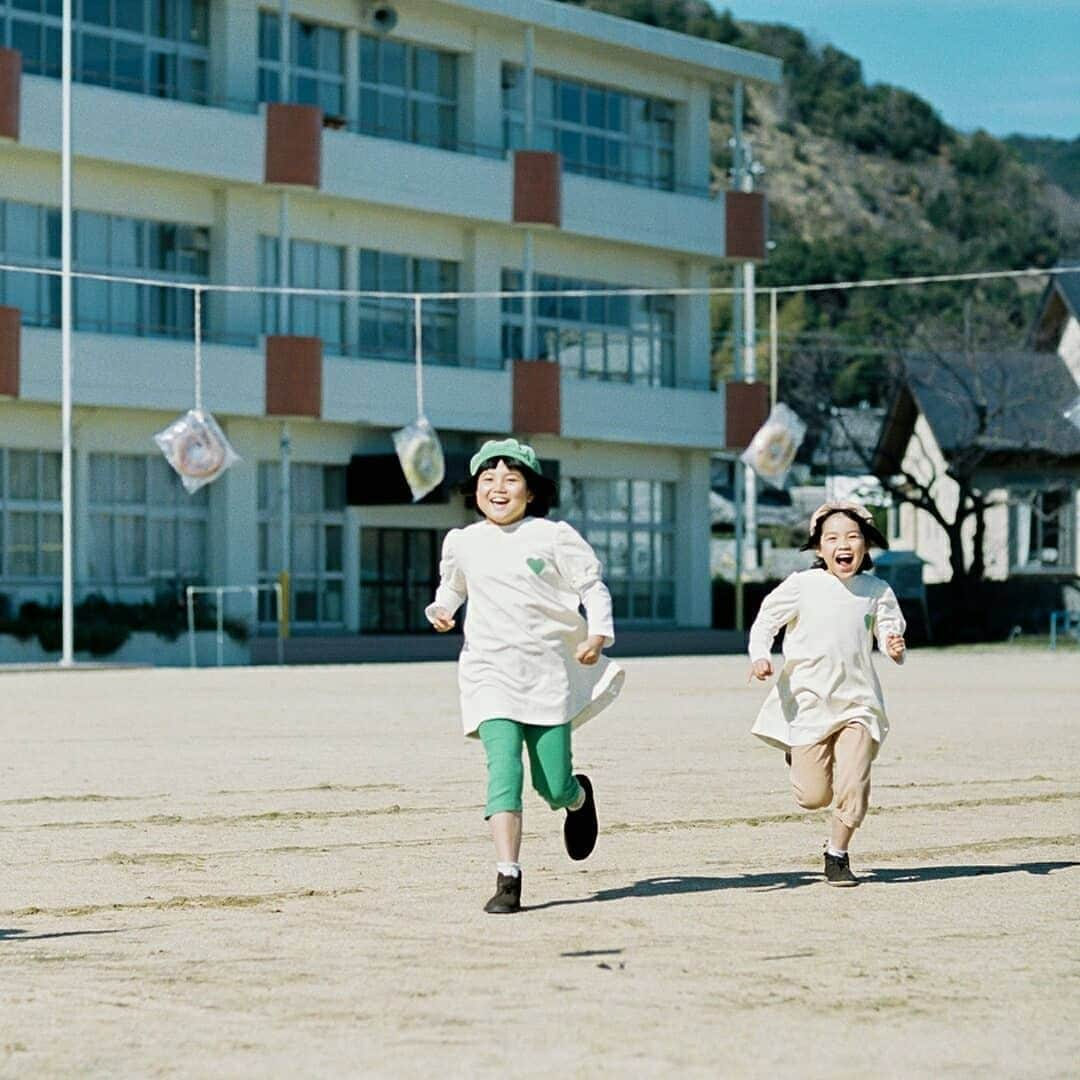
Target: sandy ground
[{"x": 281, "y": 873}]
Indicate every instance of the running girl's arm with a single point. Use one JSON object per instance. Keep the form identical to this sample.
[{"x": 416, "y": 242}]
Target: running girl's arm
[
  {"x": 777, "y": 610},
  {"x": 580, "y": 568},
  {"x": 889, "y": 625},
  {"x": 452, "y": 591}
]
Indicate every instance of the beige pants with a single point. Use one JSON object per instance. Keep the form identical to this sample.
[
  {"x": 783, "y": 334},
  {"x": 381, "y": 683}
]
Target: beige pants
[{"x": 840, "y": 762}]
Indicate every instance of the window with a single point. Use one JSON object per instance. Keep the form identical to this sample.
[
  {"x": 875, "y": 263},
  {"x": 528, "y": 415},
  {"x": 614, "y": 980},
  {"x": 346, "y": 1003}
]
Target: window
[
  {"x": 1042, "y": 529},
  {"x": 30, "y": 540},
  {"x": 30, "y": 235},
  {"x": 104, "y": 243},
  {"x": 399, "y": 570},
  {"x": 631, "y": 526},
  {"x": 599, "y": 131},
  {"x": 317, "y": 502},
  {"x": 129, "y": 246},
  {"x": 316, "y": 63},
  {"x": 144, "y": 528},
  {"x": 408, "y": 92},
  {"x": 156, "y": 47},
  {"x": 617, "y": 338},
  {"x": 387, "y": 326},
  {"x": 311, "y": 266}
]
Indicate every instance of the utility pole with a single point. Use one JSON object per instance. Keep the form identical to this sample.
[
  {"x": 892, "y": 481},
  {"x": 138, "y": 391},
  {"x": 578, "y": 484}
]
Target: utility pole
[
  {"x": 528, "y": 308},
  {"x": 744, "y": 349}
]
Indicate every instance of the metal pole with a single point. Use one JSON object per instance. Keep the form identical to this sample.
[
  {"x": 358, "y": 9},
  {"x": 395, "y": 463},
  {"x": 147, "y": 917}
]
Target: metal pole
[
  {"x": 67, "y": 656},
  {"x": 286, "y": 501},
  {"x": 740, "y": 618},
  {"x": 191, "y": 625},
  {"x": 774, "y": 348},
  {"x": 528, "y": 91},
  {"x": 750, "y": 373},
  {"x": 284, "y": 276},
  {"x": 280, "y": 627},
  {"x": 528, "y": 331},
  {"x": 738, "y": 357},
  {"x": 283, "y": 48},
  {"x": 220, "y": 596}
]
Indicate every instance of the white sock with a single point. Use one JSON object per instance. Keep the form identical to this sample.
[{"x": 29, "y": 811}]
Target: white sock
[
  {"x": 835, "y": 852},
  {"x": 579, "y": 802},
  {"x": 509, "y": 869}
]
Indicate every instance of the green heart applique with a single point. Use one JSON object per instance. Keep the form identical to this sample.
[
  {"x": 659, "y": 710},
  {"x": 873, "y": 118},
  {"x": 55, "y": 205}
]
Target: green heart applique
[
  {"x": 869, "y": 620},
  {"x": 536, "y": 565}
]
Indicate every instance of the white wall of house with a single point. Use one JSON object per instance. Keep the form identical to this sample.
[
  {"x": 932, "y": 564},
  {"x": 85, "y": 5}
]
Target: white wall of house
[
  {"x": 919, "y": 532},
  {"x": 1069, "y": 347}
]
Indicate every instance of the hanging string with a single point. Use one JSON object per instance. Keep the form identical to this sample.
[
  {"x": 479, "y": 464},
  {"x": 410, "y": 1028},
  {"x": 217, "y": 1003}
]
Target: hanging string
[
  {"x": 418, "y": 353},
  {"x": 198, "y": 349}
]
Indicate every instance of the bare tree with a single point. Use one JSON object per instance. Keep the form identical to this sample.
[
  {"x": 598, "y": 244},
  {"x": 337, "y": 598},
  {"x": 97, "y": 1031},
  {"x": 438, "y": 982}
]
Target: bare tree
[{"x": 980, "y": 403}]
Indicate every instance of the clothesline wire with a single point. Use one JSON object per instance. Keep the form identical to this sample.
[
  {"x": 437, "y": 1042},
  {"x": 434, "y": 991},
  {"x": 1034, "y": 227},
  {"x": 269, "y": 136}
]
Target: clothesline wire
[{"x": 514, "y": 294}]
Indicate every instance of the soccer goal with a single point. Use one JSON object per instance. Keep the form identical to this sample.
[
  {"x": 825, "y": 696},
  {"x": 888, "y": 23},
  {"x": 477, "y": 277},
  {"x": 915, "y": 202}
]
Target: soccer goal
[{"x": 219, "y": 593}]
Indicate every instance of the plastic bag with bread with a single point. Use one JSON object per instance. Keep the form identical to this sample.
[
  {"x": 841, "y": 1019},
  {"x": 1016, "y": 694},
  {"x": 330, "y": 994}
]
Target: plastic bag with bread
[
  {"x": 421, "y": 456},
  {"x": 196, "y": 447},
  {"x": 772, "y": 449}
]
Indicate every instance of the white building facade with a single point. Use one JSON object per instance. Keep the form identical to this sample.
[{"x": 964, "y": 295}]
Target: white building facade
[{"x": 414, "y": 185}]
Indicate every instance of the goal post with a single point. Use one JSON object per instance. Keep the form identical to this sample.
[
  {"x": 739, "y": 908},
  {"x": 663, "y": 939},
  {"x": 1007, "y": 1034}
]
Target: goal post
[{"x": 220, "y": 592}]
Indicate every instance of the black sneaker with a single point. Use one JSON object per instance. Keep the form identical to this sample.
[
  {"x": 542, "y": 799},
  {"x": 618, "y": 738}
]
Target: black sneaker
[
  {"x": 838, "y": 870},
  {"x": 580, "y": 827},
  {"x": 507, "y": 898}
]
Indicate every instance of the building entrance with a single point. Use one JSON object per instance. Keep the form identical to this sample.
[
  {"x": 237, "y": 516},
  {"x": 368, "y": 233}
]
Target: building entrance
[{"x": 399, "y": 569}]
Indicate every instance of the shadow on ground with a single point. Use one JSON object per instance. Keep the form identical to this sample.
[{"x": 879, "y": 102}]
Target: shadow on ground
[
  {"x": 674, "y": 886},
  {"x": 7, "y": 934}
]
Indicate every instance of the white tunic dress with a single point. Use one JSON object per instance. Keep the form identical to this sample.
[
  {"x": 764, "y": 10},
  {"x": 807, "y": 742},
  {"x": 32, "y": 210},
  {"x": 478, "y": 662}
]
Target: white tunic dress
[
  {"x": 828, "y": 678},
  {"x": 525, "y": 583}
]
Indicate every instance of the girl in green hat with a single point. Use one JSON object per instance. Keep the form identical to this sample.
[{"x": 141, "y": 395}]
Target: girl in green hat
[{"x": 532, "y": 667}]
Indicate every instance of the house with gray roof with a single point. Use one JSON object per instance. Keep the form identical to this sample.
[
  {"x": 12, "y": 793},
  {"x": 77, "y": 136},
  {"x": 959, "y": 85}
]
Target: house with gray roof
[
  {"x": 994, "y": 423},
  {"x": 1057, "y": 326}
]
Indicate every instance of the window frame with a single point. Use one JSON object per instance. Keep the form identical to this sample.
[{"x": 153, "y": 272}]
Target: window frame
[
  {"x": 560, "y": 334},
  {"x": 411, "y": 579},
  {"x": 618, "y": 144},
  {"x": 329, "y": 313},
  {"x": 1029, "y": 498},
  {"x": 187, "y": 56},
  {"x": 41, "y": 507},
  {"x": 327, "y": 80},
  {"x": 325, "y": 581},
  {"x": 436, "y": 314},
  {"x": 375, "y": 90},
  {"x": 183, "y": 509},
  {"x": 653, "y": 528}
]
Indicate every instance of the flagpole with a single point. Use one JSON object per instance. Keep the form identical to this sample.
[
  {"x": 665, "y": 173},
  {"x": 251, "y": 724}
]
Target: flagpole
[{"x": 67, "y": 656}]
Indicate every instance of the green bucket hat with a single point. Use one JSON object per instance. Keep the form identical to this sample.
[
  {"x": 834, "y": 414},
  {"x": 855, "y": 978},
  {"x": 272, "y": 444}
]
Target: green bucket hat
[{"x": 510, "y": 449}]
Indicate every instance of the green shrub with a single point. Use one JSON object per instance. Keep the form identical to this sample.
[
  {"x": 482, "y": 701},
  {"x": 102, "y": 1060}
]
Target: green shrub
[{"x": 102, "y": 626}]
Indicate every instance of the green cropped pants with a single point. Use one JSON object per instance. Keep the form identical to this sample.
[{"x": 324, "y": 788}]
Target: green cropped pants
[{"x": 550, "y": 765}]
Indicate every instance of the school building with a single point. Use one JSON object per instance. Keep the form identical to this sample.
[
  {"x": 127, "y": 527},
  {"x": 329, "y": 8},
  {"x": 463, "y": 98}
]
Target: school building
[{"x": 370, "y": 147}]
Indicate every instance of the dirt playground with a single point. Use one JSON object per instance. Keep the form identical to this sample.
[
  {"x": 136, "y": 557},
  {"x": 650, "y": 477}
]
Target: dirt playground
[{"x": 280, "y": 873}]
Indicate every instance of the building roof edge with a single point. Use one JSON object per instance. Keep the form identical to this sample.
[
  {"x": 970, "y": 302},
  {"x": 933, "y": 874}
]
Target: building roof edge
[{"x": 710, "y": 58}]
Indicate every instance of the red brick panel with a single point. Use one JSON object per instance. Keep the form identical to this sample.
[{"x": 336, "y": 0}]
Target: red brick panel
[
  {"x": 746, "y": 409},
  {"x": 744, "y": 224},
  {"x": 293, "y": 376},
  {"x": 537, "y": 188},
  {"x": 10, "y": 82},
  {"x": 9, "y": 351},
  {"x": 537, "y": 397},
  {"x": 294, "y": 145}
]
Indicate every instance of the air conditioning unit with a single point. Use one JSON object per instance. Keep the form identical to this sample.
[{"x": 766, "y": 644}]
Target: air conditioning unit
[{"x": 380, "y": 18}]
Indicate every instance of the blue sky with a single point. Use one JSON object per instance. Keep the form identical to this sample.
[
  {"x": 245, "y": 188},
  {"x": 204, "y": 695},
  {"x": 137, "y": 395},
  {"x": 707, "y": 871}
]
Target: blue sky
[{"x": 1003, "y": 65}]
